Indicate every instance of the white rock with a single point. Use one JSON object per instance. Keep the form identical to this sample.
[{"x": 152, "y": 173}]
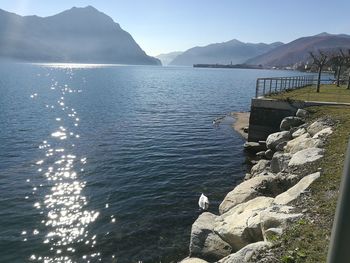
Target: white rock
[
  {"x": 243, "y": 192},
  {"x": 289, "y": 122},
  {"x": 304, "y": 157},
  {"x": 261, "y": 166},
  {"x": 204, "y": 242},
  {"x": 241, "y": 225},
  {"x": 294, "y": 192},
  {"x": 280, "y": 161},
  {"x": 302, "y": 113},
  {"x": 245, "y": 254},
  {"x": 276, "y": 138},
  {"x": 269, "y": 185},
  {"x": 263, "y": 173},
  {"x": 299, "y": 132},
  {"x": 193, "y": 260},
  {"x": 247, "y": 222},
  {"x": 278, "y": 216},
  {"x": 323, "y": 134},
  {"x": 316, "y": 126},
  {"x": 302, "y": 142}
]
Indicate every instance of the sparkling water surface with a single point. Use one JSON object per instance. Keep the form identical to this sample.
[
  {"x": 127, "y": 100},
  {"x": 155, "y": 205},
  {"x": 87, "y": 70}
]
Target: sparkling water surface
[{"x": 105, "y": 163}]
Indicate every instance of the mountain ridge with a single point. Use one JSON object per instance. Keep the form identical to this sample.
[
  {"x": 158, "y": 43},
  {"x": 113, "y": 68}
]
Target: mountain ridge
[
  {"x": 232, "y": 51},
  {"x": 79, "y": 34},
  {"x": 297, "y": 51}
]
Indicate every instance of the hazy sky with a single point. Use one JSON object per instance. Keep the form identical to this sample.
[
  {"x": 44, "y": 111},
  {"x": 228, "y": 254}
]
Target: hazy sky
[{"x": 161, "y": 26}]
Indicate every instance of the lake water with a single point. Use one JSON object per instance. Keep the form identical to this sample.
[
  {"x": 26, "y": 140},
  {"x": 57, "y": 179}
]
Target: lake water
[{"x": 106, "y": 163}]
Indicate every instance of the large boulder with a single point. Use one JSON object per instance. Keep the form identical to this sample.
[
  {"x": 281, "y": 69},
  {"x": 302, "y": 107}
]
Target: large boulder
[
  {"x": 305, "y": 157},
  {"x": 269, "y": 185},
  {"x": 302, "y": 142},
  {"x": 276, "y": 138},
  {"x": 243, "y": 192},
  {"x": 289, "y": 122},
  {"x": 241, "y": 225},
  {"x": 294, "y": 192},
  {"x": 205, "y": 243},
  {"x": 316, "y": 126},
  {"x": 247, "y": 253},
  {"x": 323, "y": 134},
  {"x": 193, "y": 260},
  {"x": 262, "y": 165},
  {"x": 254, "y": 147},
  {"x": 277, "y": 216},
  {"x": 246, "y": 223},
  {"x": 280, "y": 161},
  {"x": 301, "y": 113},
  {"x": 263, "y": 173},
  {"x": 299, "y": 132}
]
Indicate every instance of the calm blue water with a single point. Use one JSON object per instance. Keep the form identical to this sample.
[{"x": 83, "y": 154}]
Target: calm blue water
[{"x": 107, "y": 163}]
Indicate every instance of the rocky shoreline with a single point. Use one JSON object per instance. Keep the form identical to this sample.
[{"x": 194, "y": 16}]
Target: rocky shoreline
[{"x": 260, "y": 208}]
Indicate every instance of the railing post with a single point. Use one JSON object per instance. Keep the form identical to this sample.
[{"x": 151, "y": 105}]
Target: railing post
[
  {"x": 276, "y": 86},
  {"x": 270, "y": 85},
  {"x": 289, "y": 82},
  {"x": 264, "y": 87},
  {"x": 257, "y": 88},
  {"x": 293, "y": 83},
  {"x": 281, "y": 83}
]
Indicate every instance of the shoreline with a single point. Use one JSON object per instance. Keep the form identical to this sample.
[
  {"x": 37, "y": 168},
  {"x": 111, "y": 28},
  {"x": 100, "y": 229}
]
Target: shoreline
[
  {"x": 267, "y": 198},
  {"x": 241, "y": 122}
]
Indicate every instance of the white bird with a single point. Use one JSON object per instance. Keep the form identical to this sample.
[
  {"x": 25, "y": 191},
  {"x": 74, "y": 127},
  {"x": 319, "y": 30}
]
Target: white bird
[{"x": 203, "y": 202}]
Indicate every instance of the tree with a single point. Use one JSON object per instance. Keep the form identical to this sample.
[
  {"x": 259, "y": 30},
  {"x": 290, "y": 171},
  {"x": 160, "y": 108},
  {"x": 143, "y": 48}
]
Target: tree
[
  {"x": 347, "y": 64},
  {"x": 319, "y": 60},
  {"x": 338, "y": 61}
]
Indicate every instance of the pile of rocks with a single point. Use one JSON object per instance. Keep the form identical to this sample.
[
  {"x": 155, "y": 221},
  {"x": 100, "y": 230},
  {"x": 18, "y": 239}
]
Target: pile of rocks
[{"x": 260, "y": 207}]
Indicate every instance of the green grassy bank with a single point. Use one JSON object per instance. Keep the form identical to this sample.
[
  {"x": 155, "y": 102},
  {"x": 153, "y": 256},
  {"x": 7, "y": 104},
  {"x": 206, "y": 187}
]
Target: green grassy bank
[
  {"x": 328, "y": 93},
  {"x": 308, "y": 240}
]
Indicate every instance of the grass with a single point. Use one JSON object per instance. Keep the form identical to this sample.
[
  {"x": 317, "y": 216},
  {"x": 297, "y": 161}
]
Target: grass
[
  {"x": 308, "y": 239},
  {"x": 328, "y": 93}
]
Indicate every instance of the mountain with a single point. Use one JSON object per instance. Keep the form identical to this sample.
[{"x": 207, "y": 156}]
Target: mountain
[
  {"x": 223, "y": 53},
  {"x": 298, "y": 50},
  {"x": 168, "y": 57},
  {"x": 82, "y": 35}
]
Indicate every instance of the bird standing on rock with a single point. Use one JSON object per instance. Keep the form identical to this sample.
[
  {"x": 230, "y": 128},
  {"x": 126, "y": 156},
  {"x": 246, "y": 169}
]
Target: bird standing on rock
[{"x": 203, "y": 202}]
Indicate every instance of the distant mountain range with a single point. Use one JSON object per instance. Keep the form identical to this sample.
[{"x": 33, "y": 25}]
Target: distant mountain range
[
  {"x": 268, "y": 55},
  {"x": 168, "y": 57},
  {"x": 82, "y": 35},
  {"x": 298, "y": 50},
  {"x": 233, "y": 51},
  {"x": 85, "y": 35}
]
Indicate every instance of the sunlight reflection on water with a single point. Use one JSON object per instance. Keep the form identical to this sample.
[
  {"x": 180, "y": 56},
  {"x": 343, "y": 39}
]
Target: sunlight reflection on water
[
  {"x": 66, "y": 220},
  {"x": 77, "y": 65}
]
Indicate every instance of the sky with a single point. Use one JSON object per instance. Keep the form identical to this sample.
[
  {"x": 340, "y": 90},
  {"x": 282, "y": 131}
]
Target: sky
[{"x": 162, "y": 26}]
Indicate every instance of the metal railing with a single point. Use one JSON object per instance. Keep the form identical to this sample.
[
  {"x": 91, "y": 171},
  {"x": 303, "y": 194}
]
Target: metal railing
[
  {"x": 267, "y": 86},
  {"x": 339, "y": 251}
]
